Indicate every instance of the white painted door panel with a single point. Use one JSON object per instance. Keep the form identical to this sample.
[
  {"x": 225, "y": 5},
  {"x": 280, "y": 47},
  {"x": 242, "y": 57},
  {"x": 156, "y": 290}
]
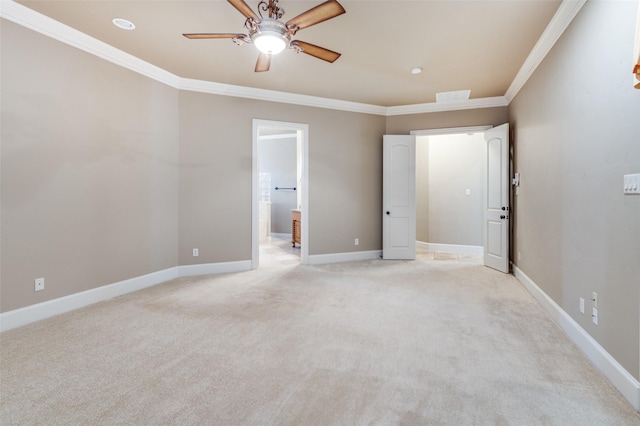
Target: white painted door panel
[
  {"x": 497, "y": 209},
  {"x": 399, "y": 197}
]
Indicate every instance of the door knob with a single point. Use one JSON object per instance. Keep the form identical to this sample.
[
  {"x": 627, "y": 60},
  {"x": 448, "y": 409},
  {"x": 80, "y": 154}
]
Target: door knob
[
  {"x": 388, "y": 213},
  {"x": 503, "y": 217},
  {"x": 504, "y": 208}
]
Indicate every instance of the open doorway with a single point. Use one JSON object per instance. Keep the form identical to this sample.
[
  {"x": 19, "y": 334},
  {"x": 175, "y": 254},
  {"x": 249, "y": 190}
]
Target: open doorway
[
  {"x": 450, "y": 190},
  {"x": 279, "y": 193},
  {"x": 399, "y": 239}
]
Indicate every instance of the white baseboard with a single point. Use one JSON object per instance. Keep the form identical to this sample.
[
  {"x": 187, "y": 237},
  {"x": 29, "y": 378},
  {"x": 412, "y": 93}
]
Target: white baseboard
[
  {"x": 39, "y": 311},
  {"x": 450, "y": 248},
  {"x": 628, "y": 386},
  {"x": 214, "y": 268},
  {"x": 318, "y": 259},
  {"x": 50, "y": 308}
]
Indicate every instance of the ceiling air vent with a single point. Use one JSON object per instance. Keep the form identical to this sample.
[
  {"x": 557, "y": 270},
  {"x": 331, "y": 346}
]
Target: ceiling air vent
[{"x": 458, "y": 95}]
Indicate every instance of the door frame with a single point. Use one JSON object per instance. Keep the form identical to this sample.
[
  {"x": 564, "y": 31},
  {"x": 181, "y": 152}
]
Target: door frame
[{"x": 303, "y": 137}]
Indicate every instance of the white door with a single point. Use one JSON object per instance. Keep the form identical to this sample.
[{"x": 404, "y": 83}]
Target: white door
[
  {"x": 497, "y": 209},
  {"x": 399, "y": 197}
]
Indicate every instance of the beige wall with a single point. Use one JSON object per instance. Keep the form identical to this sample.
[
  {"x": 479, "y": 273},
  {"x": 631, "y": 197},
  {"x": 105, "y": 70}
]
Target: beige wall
[
  {"x": 89, "y": 171},
  {"x": 456, "y": 163},
  {"x": 422, "y": 189},
  {"x": 577, "y": 132},
  {"x": 345, "y": 176},
  {"x": 132, "y": 174}
]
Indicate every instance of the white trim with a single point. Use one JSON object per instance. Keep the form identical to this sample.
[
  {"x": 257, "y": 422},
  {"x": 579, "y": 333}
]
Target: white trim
[
  {"x": 628, "y": 386},
  {"x": 40, "y": 311},
  {"x": 214, "y": 268},
  {"x": 304, "y": 196},
  {"x": 49, "y": 27},
  {"x": 450, "y": 131},
  {"x": 255, "y": 191},
  {"x": 50, "y": 308},
  {"x": 567, "y": 10},
  {"x": 498, "y": 101},
  {"x": 450, "y": 248},
  {"x": 319, "y": 259},
  {"x": 276, "y": 96}
]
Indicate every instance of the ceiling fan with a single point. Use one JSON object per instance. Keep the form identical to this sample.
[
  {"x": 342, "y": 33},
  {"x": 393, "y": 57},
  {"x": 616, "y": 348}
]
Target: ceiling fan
[{"x": 271, "y": 36}]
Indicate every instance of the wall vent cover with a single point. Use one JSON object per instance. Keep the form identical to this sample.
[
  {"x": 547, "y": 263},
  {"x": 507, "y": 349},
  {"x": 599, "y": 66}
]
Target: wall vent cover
[{"x": 458, "y": 95}]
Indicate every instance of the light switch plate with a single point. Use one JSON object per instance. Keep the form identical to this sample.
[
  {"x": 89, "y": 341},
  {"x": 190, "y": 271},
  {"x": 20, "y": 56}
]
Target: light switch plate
[{"x": 632, "y": 184}]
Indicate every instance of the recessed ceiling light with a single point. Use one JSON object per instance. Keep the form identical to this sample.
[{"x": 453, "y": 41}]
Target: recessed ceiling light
[
  {"x": 416, "y": 70},
  {"x": 123, "y": 23}
]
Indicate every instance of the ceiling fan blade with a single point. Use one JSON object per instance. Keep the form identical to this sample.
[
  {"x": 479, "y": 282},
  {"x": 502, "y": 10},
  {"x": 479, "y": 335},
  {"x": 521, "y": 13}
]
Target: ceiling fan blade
[
  {"x": 322, "y": 12},
  {"x": 212, "y": 35},
  {"x": 316, "y": 51},
  {"x": 244, "y": 9},
  {"x": 264, "y": 61}
]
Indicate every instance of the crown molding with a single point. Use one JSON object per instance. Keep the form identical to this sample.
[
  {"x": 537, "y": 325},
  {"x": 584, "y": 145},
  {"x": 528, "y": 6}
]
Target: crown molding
[
  {"x": 276, "y": 96},
  {"x": 567, "y": 10},
  {"x": 497, "y": 101},
  {"x": 49, "y": 27}
]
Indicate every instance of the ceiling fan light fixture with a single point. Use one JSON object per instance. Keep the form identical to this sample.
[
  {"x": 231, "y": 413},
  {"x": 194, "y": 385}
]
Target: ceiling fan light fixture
[
  {"x": 270, "y": 43},
  {"x": 270, "y": 36}
]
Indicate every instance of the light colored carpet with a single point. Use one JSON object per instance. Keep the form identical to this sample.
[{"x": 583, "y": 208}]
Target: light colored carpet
[{"x": 427, "y": 342}]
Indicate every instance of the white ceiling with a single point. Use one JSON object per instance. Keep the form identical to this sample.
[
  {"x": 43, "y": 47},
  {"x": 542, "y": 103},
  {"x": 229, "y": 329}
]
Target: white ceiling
[{"x": 477, "y": 44}]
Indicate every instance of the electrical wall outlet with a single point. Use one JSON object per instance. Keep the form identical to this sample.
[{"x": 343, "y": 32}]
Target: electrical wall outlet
[
  {"x": 356, "y": 242},
  {"x": 196, "y": 252},
  {"x": 39, "y": 284},
  {"x": 582, "y": 305},
  {"x": 594, "y": 316}
]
